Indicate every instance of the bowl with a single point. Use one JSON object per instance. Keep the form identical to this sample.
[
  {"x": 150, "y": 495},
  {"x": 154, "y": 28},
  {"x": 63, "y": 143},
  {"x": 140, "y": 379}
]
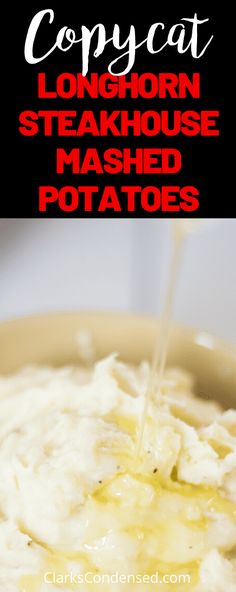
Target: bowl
[{"x": 51, "y": 339}]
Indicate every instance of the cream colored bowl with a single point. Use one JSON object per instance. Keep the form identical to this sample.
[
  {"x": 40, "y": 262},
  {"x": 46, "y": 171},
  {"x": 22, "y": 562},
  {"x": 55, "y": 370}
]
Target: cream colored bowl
[{"x": 51, "y": 339}]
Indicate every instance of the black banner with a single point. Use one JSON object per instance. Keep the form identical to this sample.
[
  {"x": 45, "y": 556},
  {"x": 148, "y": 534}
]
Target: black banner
[{"x": 141, "y": 130}]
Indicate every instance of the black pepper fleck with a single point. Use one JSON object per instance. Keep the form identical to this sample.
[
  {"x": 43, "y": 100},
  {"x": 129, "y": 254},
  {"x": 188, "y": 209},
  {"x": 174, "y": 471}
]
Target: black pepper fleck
[
  {"x": 155, "y": 470},
  {"x": 99, "y": 481}
]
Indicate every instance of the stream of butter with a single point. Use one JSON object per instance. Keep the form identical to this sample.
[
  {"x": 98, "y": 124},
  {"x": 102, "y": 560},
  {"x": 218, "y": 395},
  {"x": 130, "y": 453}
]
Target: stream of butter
[
  {"x": 181, "y": 228},
  {"x": 161, "y": 346}
]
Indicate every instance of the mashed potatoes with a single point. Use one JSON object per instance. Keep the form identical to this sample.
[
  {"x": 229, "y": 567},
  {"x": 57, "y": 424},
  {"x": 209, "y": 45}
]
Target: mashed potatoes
[{"x": 78, "y": 510}]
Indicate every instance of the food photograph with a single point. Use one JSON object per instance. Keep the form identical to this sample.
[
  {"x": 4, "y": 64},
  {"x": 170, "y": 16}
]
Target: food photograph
[
  {"x": 118, "y": 300},
  {"x": 118, "y": 405}
]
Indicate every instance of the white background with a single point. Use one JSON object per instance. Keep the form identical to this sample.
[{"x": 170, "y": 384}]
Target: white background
[{"x": 117, "y": 264}]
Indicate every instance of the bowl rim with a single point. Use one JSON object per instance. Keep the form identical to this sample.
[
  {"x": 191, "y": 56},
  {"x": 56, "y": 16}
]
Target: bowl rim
[{"x": 189, "y": 332}]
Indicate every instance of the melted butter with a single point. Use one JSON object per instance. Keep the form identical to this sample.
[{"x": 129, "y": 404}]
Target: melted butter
[
  {"x": 162, "y": 517},
  {"x": 203, "y": 493},
  {"x": 153, "y": 513},
  {"x": 125, "y": 423}
]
